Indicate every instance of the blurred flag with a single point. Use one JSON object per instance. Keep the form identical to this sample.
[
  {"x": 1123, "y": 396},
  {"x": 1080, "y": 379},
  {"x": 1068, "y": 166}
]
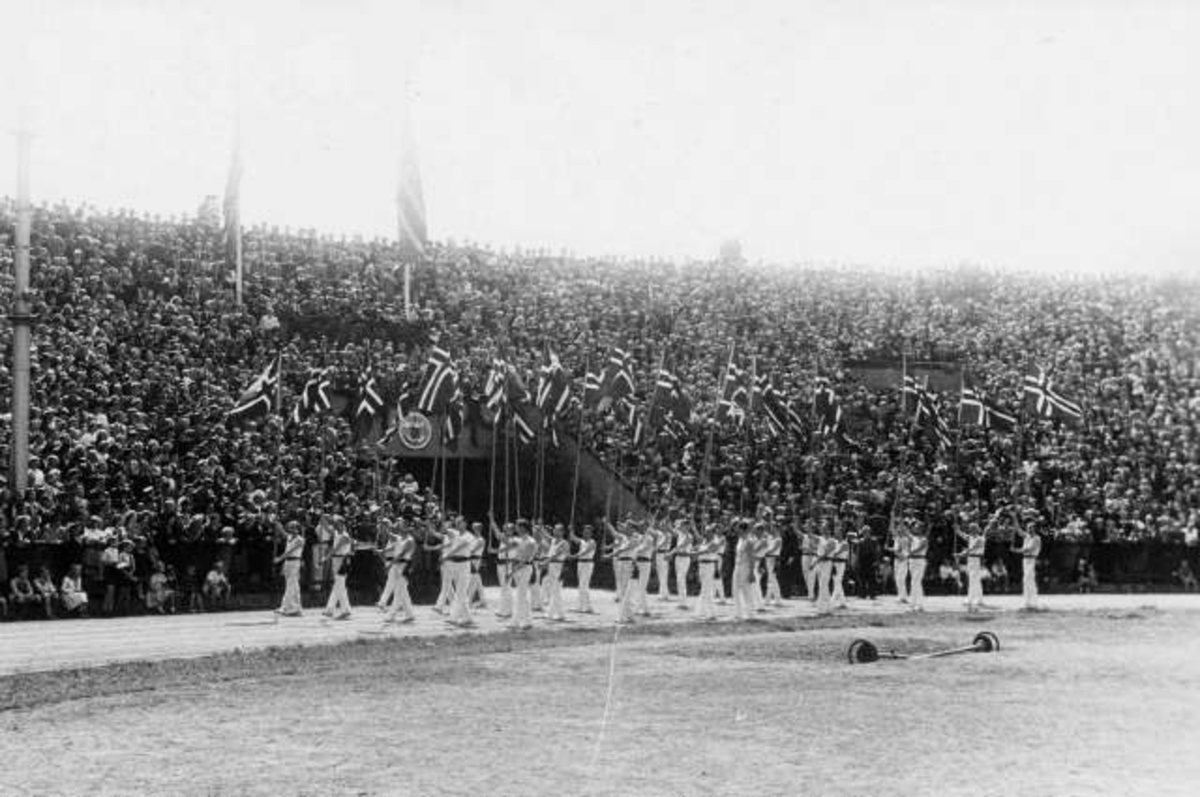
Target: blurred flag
[
  {"x": 410, "y": 200},
  {"x": 976, "y": 409},
  {"x": 262, "y": 395},
  {"x": 233, "y": 208},
  {"x": 734, "y": 397},
  {"x": 1042, "y": 399},
  {"x": 616, "y": 381},
  {"x": 438, "y": 382},
  {"x": 315, "y": 396},
  {"x": 554, "y": 388}
]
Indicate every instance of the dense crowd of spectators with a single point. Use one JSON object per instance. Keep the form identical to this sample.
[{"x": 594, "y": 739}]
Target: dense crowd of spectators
[{"x": 139, "y": 352}]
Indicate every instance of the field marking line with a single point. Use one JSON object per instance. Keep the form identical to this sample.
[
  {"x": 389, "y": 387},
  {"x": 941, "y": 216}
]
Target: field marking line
[{"x": 612, "y": 668}]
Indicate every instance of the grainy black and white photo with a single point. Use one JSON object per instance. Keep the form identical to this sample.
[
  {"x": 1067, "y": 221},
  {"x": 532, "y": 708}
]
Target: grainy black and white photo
[{"x": 519, "y": 397}]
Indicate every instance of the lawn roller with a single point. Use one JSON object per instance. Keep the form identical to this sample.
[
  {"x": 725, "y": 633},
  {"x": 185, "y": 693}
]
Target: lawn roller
[{"x": 863, "y": 651}]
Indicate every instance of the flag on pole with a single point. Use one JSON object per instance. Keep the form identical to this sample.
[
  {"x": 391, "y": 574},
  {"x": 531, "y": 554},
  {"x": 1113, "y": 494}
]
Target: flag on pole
[
  {"x": 734, "y": 398},
  {"x": 554, "y": 388},
  {"x": 315, "y": 396},
  {"x": 1042, "y": 399},
  {"x": 369, "y": 401},
  {"x": 975, "y": 408},
  {"x": 233, "y": 213},
  {"x": 261, "y": 397},
  {"x": 438, "y": 382},
  {"x": 617, "y": 380},
  {"x": 410, "y": 200}
]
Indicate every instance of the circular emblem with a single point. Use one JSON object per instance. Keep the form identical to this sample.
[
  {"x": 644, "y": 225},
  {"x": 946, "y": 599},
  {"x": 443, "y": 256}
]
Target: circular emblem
[{"x": 415, "y": 430}]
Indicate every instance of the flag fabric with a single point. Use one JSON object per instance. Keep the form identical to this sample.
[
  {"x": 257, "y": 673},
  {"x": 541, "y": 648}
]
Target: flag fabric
[
  {"x": 734, "y": 397},
  {"x": 616, "y": 382},
  {"x": 779, "y": 412},
  {"x": 508, "y": 398},
  {"x": 591, "y": 388},
  {"x": 438, "y": 382},
  {"x": 233, "y": 206},
  {"x": 452, "y": 421},
  {"x": 929, "y": 417},
  {"x": 976, "y": 409},
  {"x": 669, "y": 400},
  {"x": 314, "y": 398},
  {"x": 554, "y": 389},
  {"x": 369, "y": 402},
  {"x": 410, "y": 201},
  {"x": 261, "y": 397},
  {"x": 1043, "y": 400},
  {"x": 824, "y": 401}
]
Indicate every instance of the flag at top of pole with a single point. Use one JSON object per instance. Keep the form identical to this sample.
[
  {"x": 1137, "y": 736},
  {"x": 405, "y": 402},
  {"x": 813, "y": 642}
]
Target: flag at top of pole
[
  {"x": 410, "y": 200},
  {"x": 233, "y": 212}
]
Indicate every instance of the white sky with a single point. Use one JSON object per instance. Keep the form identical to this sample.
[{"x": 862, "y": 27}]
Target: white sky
[{"x": 1042, "y": 134}]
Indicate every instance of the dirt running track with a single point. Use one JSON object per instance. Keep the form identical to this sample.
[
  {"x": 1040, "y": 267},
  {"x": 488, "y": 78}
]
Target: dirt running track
[{"x": 1095, "y": 697}]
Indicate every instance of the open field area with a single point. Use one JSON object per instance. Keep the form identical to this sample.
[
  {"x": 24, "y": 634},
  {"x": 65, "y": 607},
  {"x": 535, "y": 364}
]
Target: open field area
[{"x": 1095, "y": 697}]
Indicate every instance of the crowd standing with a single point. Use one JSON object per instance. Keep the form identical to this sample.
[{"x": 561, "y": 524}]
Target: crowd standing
[{"x": 145, "y": 493}]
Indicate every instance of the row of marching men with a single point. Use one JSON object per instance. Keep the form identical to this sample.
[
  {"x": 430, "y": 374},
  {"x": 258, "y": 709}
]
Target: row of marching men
[{"x": 530, "y": 559}]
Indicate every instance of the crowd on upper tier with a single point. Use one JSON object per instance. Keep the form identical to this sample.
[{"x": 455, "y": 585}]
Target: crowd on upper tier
[{"x": 140, "y": 351}]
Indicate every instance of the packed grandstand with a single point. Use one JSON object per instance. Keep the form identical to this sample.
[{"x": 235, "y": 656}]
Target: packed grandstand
[{"x": 140, "y": 355}]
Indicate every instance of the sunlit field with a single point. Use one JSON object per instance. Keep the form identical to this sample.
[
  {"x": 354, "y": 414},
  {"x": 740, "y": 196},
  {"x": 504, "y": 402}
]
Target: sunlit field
[{"x": 1075, "y": 702}]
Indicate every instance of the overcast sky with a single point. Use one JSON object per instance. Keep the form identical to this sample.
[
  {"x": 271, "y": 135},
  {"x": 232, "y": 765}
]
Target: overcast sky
[{"x": 1044, "y": 134}]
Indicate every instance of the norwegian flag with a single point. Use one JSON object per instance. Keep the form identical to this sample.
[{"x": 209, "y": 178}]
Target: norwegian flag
[
  {"x": 669, "y": 400},
  {"x": 782, "y": 418},
  {"x": 261, "y": 397},
  {"x": 734, "y": 397},
  {"x": 452, "y": 421},
  {"x": 1042, "y": 399},
  {"x": 616, "y": 381},
  {"x": 976, "y": 409},
  {"x": 508, "y": 399},
  {"x": 554, "y": 389},
  {"x": 930, "y": 418},
  {"x": 438, "y": 383},
  {"x": 315, "y": 396},
  {"x": 591, "y": 388},
  {"x": 369, "y": 401}
]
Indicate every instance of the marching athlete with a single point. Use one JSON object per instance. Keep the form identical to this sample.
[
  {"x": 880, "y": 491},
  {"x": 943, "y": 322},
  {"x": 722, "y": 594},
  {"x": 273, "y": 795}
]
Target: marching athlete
[
  {"x": 900, "y": 548},
  {"x": 825, "y": 549},
  {"x": 840, "y": 556},
  {"x": 503, "y": 540},
  {"x": 976, "y": 542},
  {"x": 556, "y": 557},
  {"x": 682, "y": 553},
  {"x": 918, "y": 553},
  {"x": 475, "y": 596},
  {"x": 585, "y": 562},
  {"x": 808, "y": 559},
  {"x": 1030, "y": 549},
  {"x": 774, "y": 546},
  {"x": 663, "y": 539},
  {"x": 521, "y": 562},
  {"x": 399, "y": 552},
  {"x": 293, "y": 552},
  {"x": 341, "y": 551}
]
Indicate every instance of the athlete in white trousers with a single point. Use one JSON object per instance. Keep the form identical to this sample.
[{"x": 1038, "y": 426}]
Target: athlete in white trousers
[
  {"x": 341, "y": 549},
  {"x": 585, "y": 562},
  {"x": 293, "y": 552},
  {"x": 918, "y": 553}
]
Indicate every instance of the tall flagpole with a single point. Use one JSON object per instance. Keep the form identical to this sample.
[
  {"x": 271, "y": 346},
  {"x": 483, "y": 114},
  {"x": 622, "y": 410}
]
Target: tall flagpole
[{"x": 22, "y": 322}]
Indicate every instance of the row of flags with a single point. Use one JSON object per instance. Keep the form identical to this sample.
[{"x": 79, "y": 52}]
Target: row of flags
[{"x": 745, "y": 395}]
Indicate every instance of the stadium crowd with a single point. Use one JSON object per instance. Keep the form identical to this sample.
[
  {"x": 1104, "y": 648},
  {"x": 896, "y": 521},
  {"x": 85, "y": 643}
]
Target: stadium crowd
[{"x": 140, "y": 482}]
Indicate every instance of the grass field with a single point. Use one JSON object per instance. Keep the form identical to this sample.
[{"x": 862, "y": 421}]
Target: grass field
[{"x": 1080, "y": 702}]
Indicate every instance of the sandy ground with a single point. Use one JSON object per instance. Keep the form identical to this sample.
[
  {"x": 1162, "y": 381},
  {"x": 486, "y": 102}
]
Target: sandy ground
[{"x": 1085, "y": 701}]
